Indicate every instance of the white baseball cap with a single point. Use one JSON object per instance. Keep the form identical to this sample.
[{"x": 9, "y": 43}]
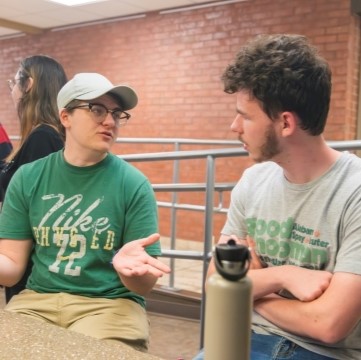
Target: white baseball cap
[{"x": 89, "y": 86}]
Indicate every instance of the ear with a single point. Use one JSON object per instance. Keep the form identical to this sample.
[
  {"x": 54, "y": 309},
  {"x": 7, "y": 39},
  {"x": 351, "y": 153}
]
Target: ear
[
  {"x": 64, "y": 117},
  {"x": 29, "y": 84},
  {"x": 288, "y": 123}
]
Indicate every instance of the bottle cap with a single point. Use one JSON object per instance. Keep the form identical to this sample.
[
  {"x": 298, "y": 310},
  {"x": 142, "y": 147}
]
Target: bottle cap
[{"x": 232, "y": 260}]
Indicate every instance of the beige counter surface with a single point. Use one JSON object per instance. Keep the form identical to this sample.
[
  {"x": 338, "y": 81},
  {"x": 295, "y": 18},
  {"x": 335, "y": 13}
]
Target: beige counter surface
[{"x": 24, "y": 338}]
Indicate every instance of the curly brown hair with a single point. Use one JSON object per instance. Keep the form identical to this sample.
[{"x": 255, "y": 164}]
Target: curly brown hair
[{"x": 284, "y": 73}]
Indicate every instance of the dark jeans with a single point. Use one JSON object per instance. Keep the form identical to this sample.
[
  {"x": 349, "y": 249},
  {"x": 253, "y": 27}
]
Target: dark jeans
[
  {"x": 273, "y": 347},
  {"x": 14, "y": 290}
]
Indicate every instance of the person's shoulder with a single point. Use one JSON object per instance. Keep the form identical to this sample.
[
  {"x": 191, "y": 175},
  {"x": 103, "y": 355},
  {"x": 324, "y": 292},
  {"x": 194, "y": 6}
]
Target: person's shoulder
[
  {"x": 260, "y": 174},
  {"x": 351, "y": 161},
  {"x": 265, "y": 168},
  {"x": 126, "y": 168},
  {"x": 347, "y": 172},
  {"x": 42, "y": 138},
  {"x": 118, "y": 161},
  {"x": 46, "y": 160},
  {"x": 44, "y": 129}
]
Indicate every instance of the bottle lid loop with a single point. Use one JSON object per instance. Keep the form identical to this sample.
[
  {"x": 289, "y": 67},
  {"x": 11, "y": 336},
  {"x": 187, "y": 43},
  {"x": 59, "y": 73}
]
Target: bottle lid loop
[{"x": 232, "y": 260}]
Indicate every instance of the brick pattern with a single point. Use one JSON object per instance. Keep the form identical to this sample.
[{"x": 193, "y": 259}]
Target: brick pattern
[{"x": 175, "y": 61}]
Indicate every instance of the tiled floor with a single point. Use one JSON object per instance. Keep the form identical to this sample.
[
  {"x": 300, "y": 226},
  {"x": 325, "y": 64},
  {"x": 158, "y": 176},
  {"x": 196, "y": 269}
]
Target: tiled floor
[
  {"x": 187, "y": 273},
  {"x": 174, "y": 338}
]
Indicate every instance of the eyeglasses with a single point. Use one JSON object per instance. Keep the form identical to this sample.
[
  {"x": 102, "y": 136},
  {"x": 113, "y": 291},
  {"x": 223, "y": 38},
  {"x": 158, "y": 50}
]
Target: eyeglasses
[
  {"x": 11, "y": 84},
  {"x": 100, "y": 112}
]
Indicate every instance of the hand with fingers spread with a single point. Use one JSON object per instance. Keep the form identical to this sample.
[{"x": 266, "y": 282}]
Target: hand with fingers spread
[{"x": 137, "y": 269}]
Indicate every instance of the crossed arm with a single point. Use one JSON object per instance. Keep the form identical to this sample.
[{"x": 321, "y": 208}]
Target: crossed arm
[
  {"x": 328, "y": 318},
  {"x": 326, "y": 306}
]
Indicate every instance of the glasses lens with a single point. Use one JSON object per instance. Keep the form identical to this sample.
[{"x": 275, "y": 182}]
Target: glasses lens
[
  {"x": 121, "y": 117},
  {"x": 117, "y": 115},
  {"x": 98, "y": 110}
]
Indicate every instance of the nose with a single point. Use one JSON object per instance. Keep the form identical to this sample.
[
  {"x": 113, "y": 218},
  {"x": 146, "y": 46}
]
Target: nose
[
  {"x": 108, "y": 120},
  {"x": 237, "y": 124}
]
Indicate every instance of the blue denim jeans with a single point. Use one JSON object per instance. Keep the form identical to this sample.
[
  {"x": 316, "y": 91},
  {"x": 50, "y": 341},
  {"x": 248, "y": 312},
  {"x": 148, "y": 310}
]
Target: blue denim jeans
[{"x": 273, "y": 347}]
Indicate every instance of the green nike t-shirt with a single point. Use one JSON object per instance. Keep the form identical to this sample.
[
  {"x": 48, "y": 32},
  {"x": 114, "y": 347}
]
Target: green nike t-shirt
[{"x": 79, "y": 217}]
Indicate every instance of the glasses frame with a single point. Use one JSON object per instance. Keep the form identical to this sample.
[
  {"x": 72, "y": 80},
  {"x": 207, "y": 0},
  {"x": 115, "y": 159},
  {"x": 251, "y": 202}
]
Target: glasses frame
[{"x": 119, "y": 121}]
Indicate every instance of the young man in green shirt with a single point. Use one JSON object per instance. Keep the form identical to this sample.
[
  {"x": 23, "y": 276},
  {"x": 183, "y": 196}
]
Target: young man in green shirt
[{"x": 89, "y": 221}]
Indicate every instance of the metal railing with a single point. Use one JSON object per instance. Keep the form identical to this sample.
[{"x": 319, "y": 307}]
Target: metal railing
[{"x": 209, "y": 186}]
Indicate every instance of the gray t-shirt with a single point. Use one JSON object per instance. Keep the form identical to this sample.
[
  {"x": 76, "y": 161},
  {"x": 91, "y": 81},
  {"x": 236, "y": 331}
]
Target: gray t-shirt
[{"x": 316, "y": 225}]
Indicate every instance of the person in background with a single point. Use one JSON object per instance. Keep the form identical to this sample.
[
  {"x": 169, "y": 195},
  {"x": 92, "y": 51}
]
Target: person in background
[
  {"x": 5, "y": 146},
  {"x": 34, "y": 90},
  {"x": 92, "y": 218},
  {"x": 298, "y": 208}
]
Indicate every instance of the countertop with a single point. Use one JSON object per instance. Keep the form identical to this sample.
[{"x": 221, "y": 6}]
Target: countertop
[{"x": 24, "y": 338}]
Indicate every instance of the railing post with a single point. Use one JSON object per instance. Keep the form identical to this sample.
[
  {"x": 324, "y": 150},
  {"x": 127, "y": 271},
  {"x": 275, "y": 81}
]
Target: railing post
[
  {"x": 173, "y": 220},
  {"x": 208, "y": 233}
]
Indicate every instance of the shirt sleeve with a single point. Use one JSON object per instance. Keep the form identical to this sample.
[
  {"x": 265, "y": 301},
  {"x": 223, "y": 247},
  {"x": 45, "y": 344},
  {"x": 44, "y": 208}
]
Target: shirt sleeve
[
  {"x": 14, "y": 216},
  {"x": 235, "y": 224}
]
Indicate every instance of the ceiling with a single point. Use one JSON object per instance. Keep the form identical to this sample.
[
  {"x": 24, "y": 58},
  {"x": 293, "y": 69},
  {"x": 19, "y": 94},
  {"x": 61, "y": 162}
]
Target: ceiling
[{"x": 20, "y": 17}]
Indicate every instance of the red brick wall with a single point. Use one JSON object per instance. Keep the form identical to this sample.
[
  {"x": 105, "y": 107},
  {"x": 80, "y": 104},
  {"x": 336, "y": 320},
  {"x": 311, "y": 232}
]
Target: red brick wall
[{"x": 174, "y": 62}]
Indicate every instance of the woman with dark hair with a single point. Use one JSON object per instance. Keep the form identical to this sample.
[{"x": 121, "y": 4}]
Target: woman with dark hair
[{"x": 34, "y": 90}]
